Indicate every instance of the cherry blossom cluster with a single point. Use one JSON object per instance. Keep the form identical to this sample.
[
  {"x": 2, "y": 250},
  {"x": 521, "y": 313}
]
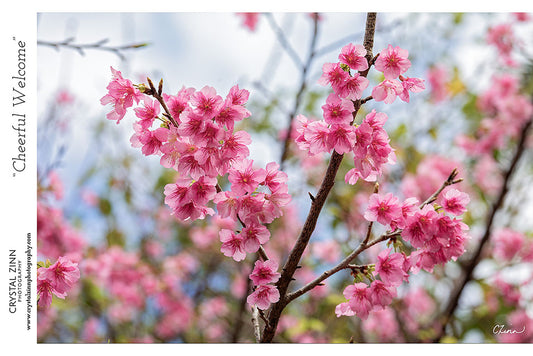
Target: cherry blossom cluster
[
  {"x": 436, "y": 235},
  {"x": 198, "y": 140},
  {"x": 56, "y": 279},
  {"x": 368, "y": 141},
  {"x": 264, "y": 294}
]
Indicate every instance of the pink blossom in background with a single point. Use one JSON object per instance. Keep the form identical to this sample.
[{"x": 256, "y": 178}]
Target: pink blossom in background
[
  {"x": 502, "y": 36},
  {"x": 438, "y": 77},
  {"x": 263, "y": 296},
  {"x": 522, "y": 16},
  {"x": 511, "y": 294},
  {"x": 487, "y": 174},
  {"x": 56, "y": 185},
  {"x": 328, "y": 251},
  {"x": 90, "y": 330},
  {"x": 64, "y": 97},
  {"x": 384, "y": 325},
  {"x": 393, "y": 62},
  {"x": 418, "y": 308},
  {"x": 250, "y": 19},
  {"x": 517, "y": 329},
  {"x": 507, "y": 243}
]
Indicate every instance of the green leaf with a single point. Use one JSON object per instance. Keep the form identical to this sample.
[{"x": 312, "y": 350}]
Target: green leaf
[
  {"x": 115, "y": 237},
  {"x": 105, "y": 206}
]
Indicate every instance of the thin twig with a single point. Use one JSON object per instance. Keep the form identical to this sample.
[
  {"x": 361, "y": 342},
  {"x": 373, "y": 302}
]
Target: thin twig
[{"x": 97, "y": 45}]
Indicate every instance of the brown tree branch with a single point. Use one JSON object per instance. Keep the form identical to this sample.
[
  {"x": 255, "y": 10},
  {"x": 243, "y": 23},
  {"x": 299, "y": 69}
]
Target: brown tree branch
[
  {"x": 475, "y": 259},
  {"x": 316, "y": 206}
]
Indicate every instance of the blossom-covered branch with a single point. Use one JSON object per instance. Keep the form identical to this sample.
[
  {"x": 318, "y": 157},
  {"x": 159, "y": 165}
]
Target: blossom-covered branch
[
  {"x": 296, "y": 253},
  {"x": 366, "y": 244}
]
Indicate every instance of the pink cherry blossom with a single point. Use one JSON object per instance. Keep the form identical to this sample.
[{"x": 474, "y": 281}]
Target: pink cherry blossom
[
  {"x": 263, "y": 296},
  {"x": 381, "y": 294},
  {"x": 352, "y": 87},
  {"x": 338, "y": 111},
  {"x": 275, "y": 179},
  {"x": 317, "y": 136},
  {"x": 454, "y": 202},
  {"x": 227, "y": 204},
  {"x": 420, "y": 227},
  {"x": 358, "y": 296},
  {"x": 393, "y": 62},
  {"x": 62, "y": 274},
  {"x": 387, "y": 91},
  {"x": 148, "y": 113},
  {"x": 354, "y": 57},
  {"x": 178, "y": 103},
  {"x": 265, "y": 272},
  {"x": 232, "y": 245},
  {"x": 229, "y": 113},
  {"x": 502, "y": 36},
  {"x": 121, "y": 93},
  {"x": 207, "y": 102},
  {"x": 390, "y": 267},
  {"x": 414, "y": 85},
  {"x": 203, "y": 190},
  {"x": 153, "y": 140},
  {"x": 253, "y": 236},
  {"x": 45, "y": 289},
  {"x": 244, "y": 178},
  {"x": 334, "y": 75},
  {"x": 341, "y": 138},
  {"x": 383, "y": 209}
]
